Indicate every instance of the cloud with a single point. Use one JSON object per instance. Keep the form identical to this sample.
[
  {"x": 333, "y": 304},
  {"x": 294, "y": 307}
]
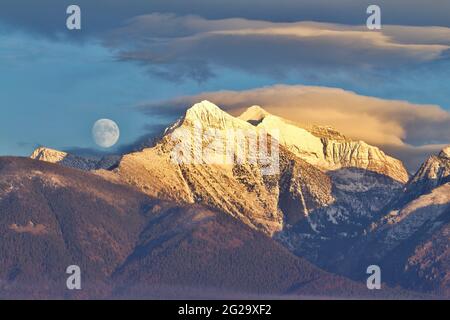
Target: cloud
[
  {"x": 48, "y": 16},
  {"x": 406, "y": 130},
  {"x": 180, "y": 47}
]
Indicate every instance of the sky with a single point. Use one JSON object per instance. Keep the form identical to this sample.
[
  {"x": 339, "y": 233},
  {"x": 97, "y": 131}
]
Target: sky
[{"x": 142, "y": 63}]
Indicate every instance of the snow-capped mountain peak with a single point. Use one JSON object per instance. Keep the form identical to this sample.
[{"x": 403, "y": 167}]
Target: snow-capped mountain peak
[
  {"x": 325, "y": 147},
  {"x": 74, "y": 161},
  {"x": 202, "y": 108},
  {"x": 434, "y": 172},
  {"x": 254, "y": 114},
  {"x": 445, "y": 153},
  {"x": 48, "y": 155},
  {"x": 435, "y": 167},
  {"x": 208, "y": 115}
]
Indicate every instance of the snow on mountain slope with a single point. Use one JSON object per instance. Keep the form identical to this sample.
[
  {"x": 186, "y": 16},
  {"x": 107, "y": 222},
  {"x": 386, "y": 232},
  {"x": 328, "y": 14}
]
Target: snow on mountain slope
[
  {"x": 326, "y": 148},
  {"x": 363, "y": 181},
  {"x": 402, "y": 224},
  {"x": 73, "y": 161},
  {"x": 240, "y": 189},
  {"x": 302, "y": 201},
  {"x": 211, "y": 116},
  {"x": 411, "y": 242},
  {"x": 434, "y": 172},
  {"x": 307, "y": 202},
  {"x": 359, "y": 154},
  {"x": 424, "y": 200},
  {"x": 297, "y": 140},
  {"x": 412, "y": 245}
]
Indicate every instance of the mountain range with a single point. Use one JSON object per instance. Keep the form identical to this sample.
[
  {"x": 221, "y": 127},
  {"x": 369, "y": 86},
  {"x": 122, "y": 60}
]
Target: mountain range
[
  {"x": 130, "y": 245},
  {"x": 142, "y": 224}
]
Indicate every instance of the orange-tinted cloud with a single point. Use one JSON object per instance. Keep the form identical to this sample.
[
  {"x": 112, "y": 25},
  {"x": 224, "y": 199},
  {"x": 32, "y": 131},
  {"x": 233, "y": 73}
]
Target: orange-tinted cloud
[{"x": 192, "y": 47}]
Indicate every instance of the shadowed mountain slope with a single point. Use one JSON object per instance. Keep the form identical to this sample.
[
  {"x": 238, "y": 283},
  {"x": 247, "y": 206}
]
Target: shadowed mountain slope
[
  {"x": 411, "y": 242},
  {"x": 128, "y": 244}
]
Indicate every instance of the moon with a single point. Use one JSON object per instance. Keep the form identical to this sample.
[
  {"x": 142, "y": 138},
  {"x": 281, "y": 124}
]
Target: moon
[{"x": 106, "y": 133}]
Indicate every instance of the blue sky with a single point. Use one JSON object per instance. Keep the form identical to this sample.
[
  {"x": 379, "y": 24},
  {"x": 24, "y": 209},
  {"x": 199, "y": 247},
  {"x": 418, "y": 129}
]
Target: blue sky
[
  {"x": 55, "y": 84},
  {"x": 53, "y": 90}
]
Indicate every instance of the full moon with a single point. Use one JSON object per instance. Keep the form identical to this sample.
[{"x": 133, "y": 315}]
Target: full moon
[{"x": 105, "y": 133}]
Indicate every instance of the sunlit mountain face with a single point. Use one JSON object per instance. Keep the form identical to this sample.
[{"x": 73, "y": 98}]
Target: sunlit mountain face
[{"x": 257, "y": 149}]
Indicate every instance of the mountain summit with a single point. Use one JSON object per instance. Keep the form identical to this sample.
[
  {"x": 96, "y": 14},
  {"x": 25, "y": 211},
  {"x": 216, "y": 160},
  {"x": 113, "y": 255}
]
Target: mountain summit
[
  {"x": 73, "y": 161},
  {"x": 326, "y": 148},
  {"x": 445, "y": 153},
  {"x": 208, "y": 115},
  {"x": 435, "y": 171},
  {"x": 326, "y": 184},
  {"x": 254, "y": 115}
]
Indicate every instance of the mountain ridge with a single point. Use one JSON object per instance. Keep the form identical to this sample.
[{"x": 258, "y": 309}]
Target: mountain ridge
[
  {"x": 130, "y": 245},
  {"x": 411, "y": 240},
  {"x": 327, "y": 148},
  {"x": 241, "y": 190},
  {"x": 330, "y": 192},
  {"x": 74, "y": 161}
]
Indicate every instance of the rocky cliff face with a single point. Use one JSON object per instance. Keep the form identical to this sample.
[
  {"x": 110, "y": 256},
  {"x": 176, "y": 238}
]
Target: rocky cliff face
[
  {"x": 327, "y": 148},
  {"x": 411, "y": 241},
  {"x": 362, "y": 178},
  {"x": 434, "y": 172},
  {"x": 191, "y": 163}
]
